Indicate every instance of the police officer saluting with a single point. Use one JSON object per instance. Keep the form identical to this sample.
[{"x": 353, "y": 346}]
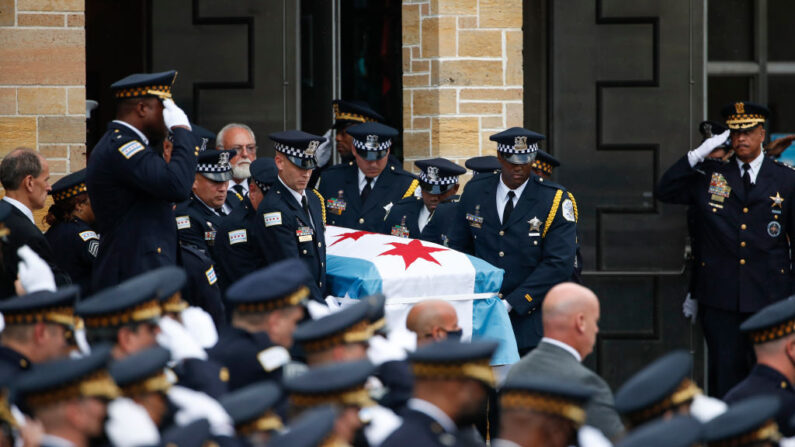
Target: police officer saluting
[
  {"x": 293, "y": 220},
  {"x": 743, "y": 217},
  {"x": 522, "y": 223},
  {"x": 359, "y": 194},
  {"x": 131, "y": 186},
  {"x": 429, "y": 217}
]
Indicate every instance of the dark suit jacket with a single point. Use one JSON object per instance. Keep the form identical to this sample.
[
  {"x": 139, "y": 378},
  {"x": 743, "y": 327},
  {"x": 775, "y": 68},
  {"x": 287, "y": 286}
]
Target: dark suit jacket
[
  {"x": 553, "y": 361},
  {"x": 24, "y": 232}
]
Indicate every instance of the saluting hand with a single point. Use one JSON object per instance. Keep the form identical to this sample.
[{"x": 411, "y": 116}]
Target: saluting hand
[{"x": 174, "y": 116}]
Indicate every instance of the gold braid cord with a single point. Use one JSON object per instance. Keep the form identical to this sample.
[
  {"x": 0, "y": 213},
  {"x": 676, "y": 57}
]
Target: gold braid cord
[
  {"x": 322, "y": 204},
  {"x": 553, "y": 211},
  {"x": 409, "y": 192}
]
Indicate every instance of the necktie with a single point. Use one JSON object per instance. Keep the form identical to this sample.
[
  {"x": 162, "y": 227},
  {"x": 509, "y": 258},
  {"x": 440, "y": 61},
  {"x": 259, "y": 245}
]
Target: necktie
[
  {"x": 220, "y": 211},
  {"x": 746, "y": 177},
  {"x": 239, "y": 189},
  {"x": 305, "y": 206},
  {"x": 506, "y": 212},
  {"x": 367, "y": 189}
]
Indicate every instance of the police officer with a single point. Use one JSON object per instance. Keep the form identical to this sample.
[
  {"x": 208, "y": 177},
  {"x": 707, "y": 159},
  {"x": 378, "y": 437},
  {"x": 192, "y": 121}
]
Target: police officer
[
  {"x": 485, "y": 164},
  {"x": 522, "y": 223},
  {"x": 292, "y": 218},
  {"x": 202, "y": 288},
  {"x": 427, "y": 217},
  {"x": 253, "y": 411},
  {"x": 359, "y": 194},
  {"x": 743, "y": 224},
  {"x": 236, "y": 248},
  {"x": 199, "y": 217},
  {"x": 131, "y": 186},
  {"x": 745, "y": 424},
  {"x": 314, "y": 428},
  {"x": 70, "y": 217}
]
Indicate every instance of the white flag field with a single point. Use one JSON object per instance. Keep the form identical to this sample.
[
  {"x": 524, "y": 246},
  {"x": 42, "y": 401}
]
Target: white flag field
[{"x": 406, "y": 271}]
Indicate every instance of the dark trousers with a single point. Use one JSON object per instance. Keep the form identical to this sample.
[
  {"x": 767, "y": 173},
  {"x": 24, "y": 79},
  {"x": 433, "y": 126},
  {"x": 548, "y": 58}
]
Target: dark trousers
[{"x": 731, "y": 354}]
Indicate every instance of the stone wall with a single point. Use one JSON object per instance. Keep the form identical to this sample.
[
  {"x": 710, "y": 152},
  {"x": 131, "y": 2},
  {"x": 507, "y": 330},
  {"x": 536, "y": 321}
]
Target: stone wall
[
  {"x": 42, "y": 81},
  {"x": 462, "y": 76}
]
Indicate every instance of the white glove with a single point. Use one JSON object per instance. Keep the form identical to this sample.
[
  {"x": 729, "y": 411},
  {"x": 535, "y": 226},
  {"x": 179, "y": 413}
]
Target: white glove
[
  {"x": 200, "y": 326},
  {"x": 698, "y": 154},
  {"x": 592, "y": 437},
  {"x": 174, "y": 116},
  {"x": 194, "y": 405},
  {"x": 690, "y": 309},
  {"x": 323, "y": 152},
  {"x": 174, "y": 337},
  {"x": 382, "y": 350},
  {"x": 129, "y": 424},
  {"x": 508, "y": 306},
  {"x": 705, "y": 408},
  {"x": 34, "y": 274}
]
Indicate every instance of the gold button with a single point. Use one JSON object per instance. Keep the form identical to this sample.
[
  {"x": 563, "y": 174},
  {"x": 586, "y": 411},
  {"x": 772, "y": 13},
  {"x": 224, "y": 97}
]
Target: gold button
[
  {"x": 321, "y": 263},
  {"x": 703, "y": 264},
  {"x": 23, "y": 363},
  {"x": 499, "y": 295},
  {"x": 745, "y": 210},
  {"x": 361, "y": 220},
  {"x": 782, "y": 270},
  {"x": 502, "y": 254},
  {"x": 159, "y": 250},
  {"x": 502, "y": 233},
  {"x": 742, "y": 261},
  {"x": 743, "y": 226},
  {"x": 320, "y": 284},
  {"x": 714, "y": 210},
  {"x": 535, "y": 242},
  {"x": 304, "y": 251},
  {"x": 319, "y": 244},
  {"x": 742, "y": 244},
  {"x": 775, "y": 216},
  {"x": 783, "y": 384}
]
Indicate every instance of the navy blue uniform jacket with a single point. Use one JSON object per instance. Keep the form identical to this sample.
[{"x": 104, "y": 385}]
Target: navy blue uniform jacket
[
  {"x": 536, "y": 255},
  {"x": 339, "y": 185},
  {"x": 766, "y": 380},
  {"x": 236, "y": 251},
  {"x": 74, "y": 246},
  {"x": 407, "y": 211},
  {"x": 741, "y": 241},
  {"x": 197, "y": 225},
  {"x": 132, "y": 191}
]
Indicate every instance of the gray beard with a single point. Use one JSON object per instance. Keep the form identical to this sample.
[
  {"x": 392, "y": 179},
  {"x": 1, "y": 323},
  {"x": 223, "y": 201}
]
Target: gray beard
[{"x": 241, "y": 171}]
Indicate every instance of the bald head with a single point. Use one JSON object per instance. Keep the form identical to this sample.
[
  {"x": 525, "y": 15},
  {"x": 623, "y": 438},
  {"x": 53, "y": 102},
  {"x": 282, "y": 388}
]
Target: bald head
[
  {"x": 571, "y": 315},
  {"x": 431, "y": 320}
]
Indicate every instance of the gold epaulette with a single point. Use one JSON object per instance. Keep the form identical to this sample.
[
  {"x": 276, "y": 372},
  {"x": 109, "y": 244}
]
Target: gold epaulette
[
  {"x": 552, "y": 212},
  {"x": 409, "y": 192},
  {"x": 322, "y": 204},
  {"x": 574, "y": 202}
]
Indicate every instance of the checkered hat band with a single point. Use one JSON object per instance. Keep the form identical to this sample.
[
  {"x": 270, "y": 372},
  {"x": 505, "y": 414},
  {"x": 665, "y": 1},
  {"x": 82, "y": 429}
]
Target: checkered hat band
[
  {"x": 545, "y": 167},
  {"x": 292, "y": 151},
  {"x": 164, "y": 90},
  {"x": 439, "y": 180},
  {"x": 261, "y": 185},
  {"x": 201, "y": 167},
  {"x": 510, "y": 149},
  {"x": 69, "y": 192},
  {"x": 382, "y": 146}
]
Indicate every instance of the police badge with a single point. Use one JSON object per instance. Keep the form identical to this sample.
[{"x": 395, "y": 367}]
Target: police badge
[
  {"x": 520, "y": 143},
  {"x": 312, "y": 148},
  {"x": 433, "y": 173},
  {"x": 372, "y": 142},
  {"x": 223, "y": 158}
]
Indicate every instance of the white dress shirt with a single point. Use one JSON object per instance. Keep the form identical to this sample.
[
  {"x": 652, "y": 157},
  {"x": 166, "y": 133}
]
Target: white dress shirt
[
  {"x": 298, "y": 196},
  {"x": 134, "y": 129},
  {"x": 227, "y": 209},
  {"x": 56, "y": 441},
  {"x": 244, "y": 184},
  {"x": 363, "y": 181},
  {"x": 756, "y": 165},
  {"x": 436, "y": 413},
  {"x": 424, "y": 217},
  {"x": 502, "y": 195},
  {"x": 21, "y": 206},
  {"x": 563, "y": 346}
]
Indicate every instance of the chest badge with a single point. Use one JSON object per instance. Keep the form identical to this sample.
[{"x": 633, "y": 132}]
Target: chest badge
[
  {"x": 336, "y": 205},
  {"x": 304, "y": 233},
  {"x": 773, "y": 228},
  {"x": 719, "y": 189},
  {"x": 400, "y": 230},
  {"x": 475, "y": 220},
  {"x": 777, "y": 200},
  {"x": 535, "y": 227}
]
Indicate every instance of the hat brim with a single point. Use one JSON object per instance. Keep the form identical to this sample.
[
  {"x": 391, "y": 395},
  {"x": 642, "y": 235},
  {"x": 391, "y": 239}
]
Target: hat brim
[
  {"x": 303, "y": 163},
  {"x": 372, "y": 155},
  {"x": 519, "y": 159},
  {"x": 436, "y": 189},
  {"x": 218, "y": 176},
  {"x": 743, "y": 125}
]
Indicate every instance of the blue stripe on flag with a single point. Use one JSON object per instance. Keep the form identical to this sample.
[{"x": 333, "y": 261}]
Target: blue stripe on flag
[
  {"x": 490, "y": 321},
  {"x": 353, "y": 276},
  {"x": 487, "y": 277}
]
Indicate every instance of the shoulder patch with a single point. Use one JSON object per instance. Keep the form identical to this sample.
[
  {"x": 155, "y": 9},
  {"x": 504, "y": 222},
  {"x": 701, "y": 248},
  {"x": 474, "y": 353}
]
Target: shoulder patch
[
  {"x": 183, "y": 222},
  {"x": 272, "y": 219},
  {"x": 131, "y": 148},
  {"x": 88, "y": 234},
  {"x": 568, "y": 210},
  {"x": 237, "y": 236},
  {"x": 273, "y": 358},
  {"x": 210, "y": 274},
  {"x": 93, "y": 247}
]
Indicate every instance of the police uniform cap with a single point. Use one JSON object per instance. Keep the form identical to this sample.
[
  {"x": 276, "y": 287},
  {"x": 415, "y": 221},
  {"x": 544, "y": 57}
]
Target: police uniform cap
[
  {"x": 748, "y": 422},
  {"x": 353, "y": 112},
  {"x": 281, "y": 284},
  {"x": 298, "y": 146},
  {"x": 60, "y": 380},
  {"x": 484, "y": 164},
  {"x": 679, "y": 431},
  {"x": 661, "y": 386},
  {"x": 313, "y": 428},
  {"x": 774, "y": 321},
  {"x": 205, "y": 136},
  {"x": 171, "y": 280},
  {"x": 744, "y": 115},
  {"x": 451, "y": 359},
  {"x": 69, "y": 186},
  {"x": 349, "y": 325},
  {"x": 252, "y": 408},
  {"x": 135, "y": 300},
  {"x": 372, "y": 140},
  {"x": 142, "y": 372},
  {"x": 214, "y": 164},
  {"x": 546, "y": 395},
  {"x": 194, "y": 434},
  {"x": 711, "y": 128},
  {"x": 336, "y": 384},
  {"x": 264, "y": 172},
  {"x": 545, "y": 162},
  {"x": 376, "y": 312},
  {"x": 438, "y": 175},
  {"x": 516, "y": 145},
  {"x": 42, "y": 306},
  {"x": 145, "y": 84}
]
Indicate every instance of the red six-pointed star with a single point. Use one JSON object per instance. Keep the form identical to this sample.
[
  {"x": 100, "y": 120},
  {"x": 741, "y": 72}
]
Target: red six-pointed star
[
  {"x": 412, "y": 251},
  {"x": 355, "y": 235}
]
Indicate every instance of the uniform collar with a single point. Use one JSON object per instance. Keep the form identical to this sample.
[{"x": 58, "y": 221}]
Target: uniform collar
[
  {"x": 774, "y": 375},
  {"x": 244, "y": 184},
  {"x": 134, "y": 129},
  {"x": 756, "y": 165},
  {"x": 296, "y": 195},
  {"x": 21, "y": 207},
  {"x": 434, "y": 412},
  {"x": 14, "y": 357},
  {"x": 363, "y": 181},
  {"x": 502, "y": 188}
]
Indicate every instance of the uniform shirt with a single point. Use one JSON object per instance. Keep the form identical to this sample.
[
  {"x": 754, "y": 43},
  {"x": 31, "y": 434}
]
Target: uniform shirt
[
  {"x": 363, "y": 181},
  {"x": 502, "y": 195},
  {"x": 244, "y": 184},
  {"x": 422, "y": 220},
  {"x": 755, "y": 165}
]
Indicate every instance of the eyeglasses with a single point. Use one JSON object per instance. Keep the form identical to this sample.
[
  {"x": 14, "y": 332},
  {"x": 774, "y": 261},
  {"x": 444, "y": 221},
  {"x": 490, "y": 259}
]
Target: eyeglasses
[{"x": 251, "y": 148}]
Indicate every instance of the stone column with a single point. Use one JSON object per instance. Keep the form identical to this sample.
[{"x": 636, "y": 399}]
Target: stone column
[
  {"x": 42, "y": 81},
  {"x": 462, "y": 76}
]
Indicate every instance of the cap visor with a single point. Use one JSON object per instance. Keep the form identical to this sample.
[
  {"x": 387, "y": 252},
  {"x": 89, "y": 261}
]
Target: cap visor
[
  {"x": 519, "y": 159},
  {"x": 303, "y": 163},
  {"x": 372, "y": 155},
  {"x": 218, "y": 176},
  {"x": 435, "y": 189}
]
